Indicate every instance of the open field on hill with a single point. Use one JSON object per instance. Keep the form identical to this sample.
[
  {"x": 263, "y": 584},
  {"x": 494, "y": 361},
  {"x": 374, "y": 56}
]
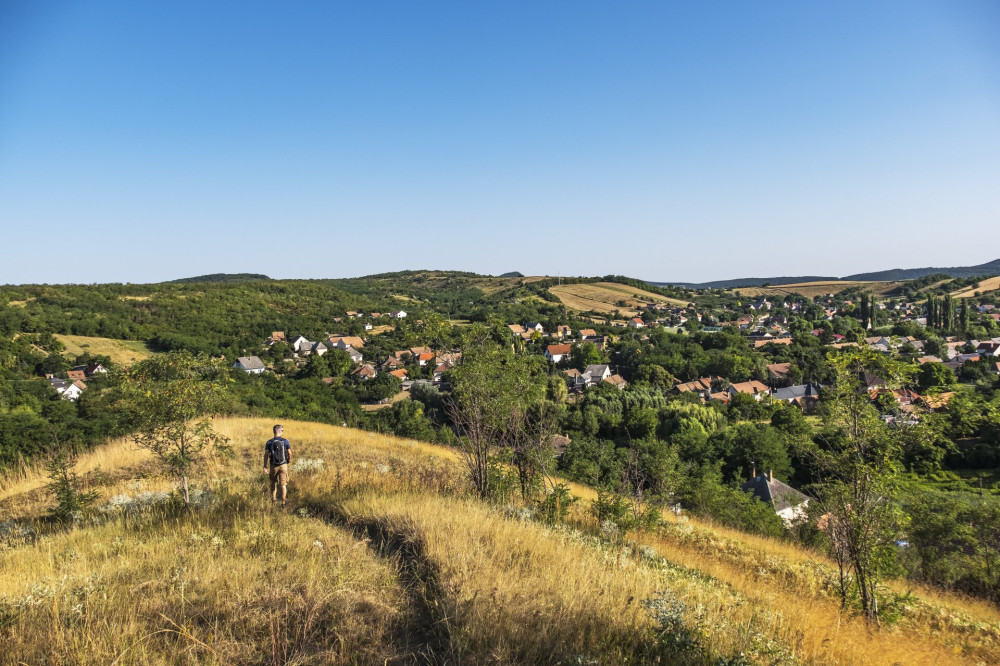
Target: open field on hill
[
  {"x": 492, "y": 285},
  {"x": 402, "y": 395},
  {"x": 812, "y": 289},
  {"x": 603, "y": 296},
  {"x": 121, "y": 352},
  {"x": 989, "y": 284},
  {"x": 382, "y": 557}
]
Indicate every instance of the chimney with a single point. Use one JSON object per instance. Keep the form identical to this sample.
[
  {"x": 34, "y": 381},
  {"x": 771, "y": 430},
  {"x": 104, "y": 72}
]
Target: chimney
[{"x": 770, "y": 475}]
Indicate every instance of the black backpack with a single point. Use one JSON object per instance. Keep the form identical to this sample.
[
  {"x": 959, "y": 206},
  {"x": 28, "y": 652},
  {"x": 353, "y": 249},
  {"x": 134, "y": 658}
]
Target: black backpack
[{"x": 277, "y": 449}]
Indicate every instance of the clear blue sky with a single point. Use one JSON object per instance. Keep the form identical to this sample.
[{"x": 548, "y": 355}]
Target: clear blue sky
[{"x": 142, "y": 141}]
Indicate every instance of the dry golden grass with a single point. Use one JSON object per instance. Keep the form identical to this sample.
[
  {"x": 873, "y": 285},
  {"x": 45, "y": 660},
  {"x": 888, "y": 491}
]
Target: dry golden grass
[
  {"x": 402, "y": 395},
  {"x": 121, "y": 352},
  {"x": 827, "y": 634},
  {"x": 990, "y": 284},
  {"x": 812, "y": 289},
  {"x": 411, "y": 565},
  {"x": 603, "y": 296},
  {"x": 234, "y": 584}
]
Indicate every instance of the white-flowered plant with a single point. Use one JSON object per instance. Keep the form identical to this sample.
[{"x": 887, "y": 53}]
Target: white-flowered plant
[{"x": 309, "y": 465}]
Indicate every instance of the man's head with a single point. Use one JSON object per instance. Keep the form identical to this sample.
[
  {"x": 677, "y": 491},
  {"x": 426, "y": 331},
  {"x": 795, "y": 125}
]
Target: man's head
[{"x": 278, "y": 430}]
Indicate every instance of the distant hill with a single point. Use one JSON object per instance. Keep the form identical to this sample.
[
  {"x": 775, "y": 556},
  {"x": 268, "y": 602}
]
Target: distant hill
[
  {"x": 748, "y": 282},
  {"x": 512, "y": 274},
  {"x": 221, "y": 277},
  {"x": 895, "y": 274},
  {"x": 990, "y": 268}
]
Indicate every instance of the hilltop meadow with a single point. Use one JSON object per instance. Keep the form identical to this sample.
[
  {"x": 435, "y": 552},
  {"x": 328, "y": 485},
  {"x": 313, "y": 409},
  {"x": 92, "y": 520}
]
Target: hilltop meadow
[{"x": 382, "y": 556}]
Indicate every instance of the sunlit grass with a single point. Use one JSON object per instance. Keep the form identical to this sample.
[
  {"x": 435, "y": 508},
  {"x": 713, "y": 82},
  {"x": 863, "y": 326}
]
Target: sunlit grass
[{"x": 408, "y": 564}]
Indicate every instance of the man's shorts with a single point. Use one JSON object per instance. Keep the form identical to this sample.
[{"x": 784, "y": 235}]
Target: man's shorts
[{"x": 279, "y": 474}]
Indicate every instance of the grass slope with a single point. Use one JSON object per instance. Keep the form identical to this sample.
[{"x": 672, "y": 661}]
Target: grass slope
[
  {"x": 382, "y": 557},
  {"x": 989, "y": 284},
  {"x": 604, "y": 296},
  {"x": 121, "y": 352}
]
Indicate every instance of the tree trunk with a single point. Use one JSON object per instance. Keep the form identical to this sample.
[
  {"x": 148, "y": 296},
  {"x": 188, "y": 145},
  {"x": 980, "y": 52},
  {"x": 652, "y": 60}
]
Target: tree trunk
[{"x": 187, "y": 497}]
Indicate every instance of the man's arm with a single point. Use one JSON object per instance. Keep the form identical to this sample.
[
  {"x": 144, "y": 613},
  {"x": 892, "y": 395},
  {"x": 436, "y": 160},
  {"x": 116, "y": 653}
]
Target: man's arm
[
  {"x": 288, "y": 450},
  {"x": 265, "y": 457}
]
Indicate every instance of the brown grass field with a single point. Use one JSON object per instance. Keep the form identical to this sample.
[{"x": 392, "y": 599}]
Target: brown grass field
[
  {"x": 989, "y": 284},
  {"x": 603, "y": 296},
  {"x": 383, "y": 557},
  {"x": 121, "y": 352}
]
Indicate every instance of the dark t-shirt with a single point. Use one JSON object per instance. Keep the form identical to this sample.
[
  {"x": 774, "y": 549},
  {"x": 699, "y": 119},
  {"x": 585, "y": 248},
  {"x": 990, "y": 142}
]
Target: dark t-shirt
[{"x": 272, "y": 445}]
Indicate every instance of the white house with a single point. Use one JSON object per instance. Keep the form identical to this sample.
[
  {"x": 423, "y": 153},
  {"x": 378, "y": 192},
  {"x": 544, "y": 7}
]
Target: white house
[
  {"x": 399, "y": 314},
  {"x": 66, "y": 389},
  {"x": 355, "y": 355},
  {"x": 595, "y": 374},
  {"x": 556, "y": 353},
  {"x": 251, "y": 365},
  {"x": 300, "y": 343}
]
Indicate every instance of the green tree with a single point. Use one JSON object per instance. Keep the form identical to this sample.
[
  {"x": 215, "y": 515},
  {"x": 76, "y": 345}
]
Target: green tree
[
  {"x": 860, "y": 463},
  {"x": 168, "y": 399},
  {"x": 492, "y": 390},
  {"x": 583, "y": 354},
  {"x": 935, "y": 375},
  {"x": 65, "y": 487}
]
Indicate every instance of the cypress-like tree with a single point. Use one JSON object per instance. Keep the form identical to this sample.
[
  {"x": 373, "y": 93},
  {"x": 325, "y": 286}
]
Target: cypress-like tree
[{"x": 964, "y": 321}]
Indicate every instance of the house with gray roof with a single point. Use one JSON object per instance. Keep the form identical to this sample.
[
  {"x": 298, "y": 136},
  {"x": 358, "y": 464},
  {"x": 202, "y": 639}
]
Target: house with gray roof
[
  {"x": 595, "y": 374},
  {"x": 251, "y": 365},
  {"x": 798, "y": 393},
  {"x": 788, "y": 503}
]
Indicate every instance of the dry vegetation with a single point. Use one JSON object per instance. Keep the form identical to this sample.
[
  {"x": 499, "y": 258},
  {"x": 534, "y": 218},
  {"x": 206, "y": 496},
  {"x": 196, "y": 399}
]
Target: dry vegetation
[
  {"x": 382, "y": 557},
  {"x": 121, "y": 352},
  {"x": 989, "y": 284},
  {"x": 603, "y": 297}
]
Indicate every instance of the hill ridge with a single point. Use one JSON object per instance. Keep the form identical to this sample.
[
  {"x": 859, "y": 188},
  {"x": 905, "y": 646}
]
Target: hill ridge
[{"x": 989, "y": 268}]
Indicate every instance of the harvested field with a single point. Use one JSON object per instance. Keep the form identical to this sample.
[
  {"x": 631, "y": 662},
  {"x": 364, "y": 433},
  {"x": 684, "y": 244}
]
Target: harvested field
[
  {"x": 603, "y": 297},
  {"x": 990, "y": 284}
]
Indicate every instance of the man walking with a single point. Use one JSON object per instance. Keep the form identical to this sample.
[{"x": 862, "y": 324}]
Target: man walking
[{"x": 277, "y": 454}]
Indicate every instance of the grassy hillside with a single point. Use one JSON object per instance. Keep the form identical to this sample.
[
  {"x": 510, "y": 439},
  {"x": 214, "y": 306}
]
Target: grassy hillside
[
  {"x": 121, "y": 352},
  {"x": 382, "y": 557},
  {"x": 605, "y": 296},
  {"x": 989, "y": 284}
]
